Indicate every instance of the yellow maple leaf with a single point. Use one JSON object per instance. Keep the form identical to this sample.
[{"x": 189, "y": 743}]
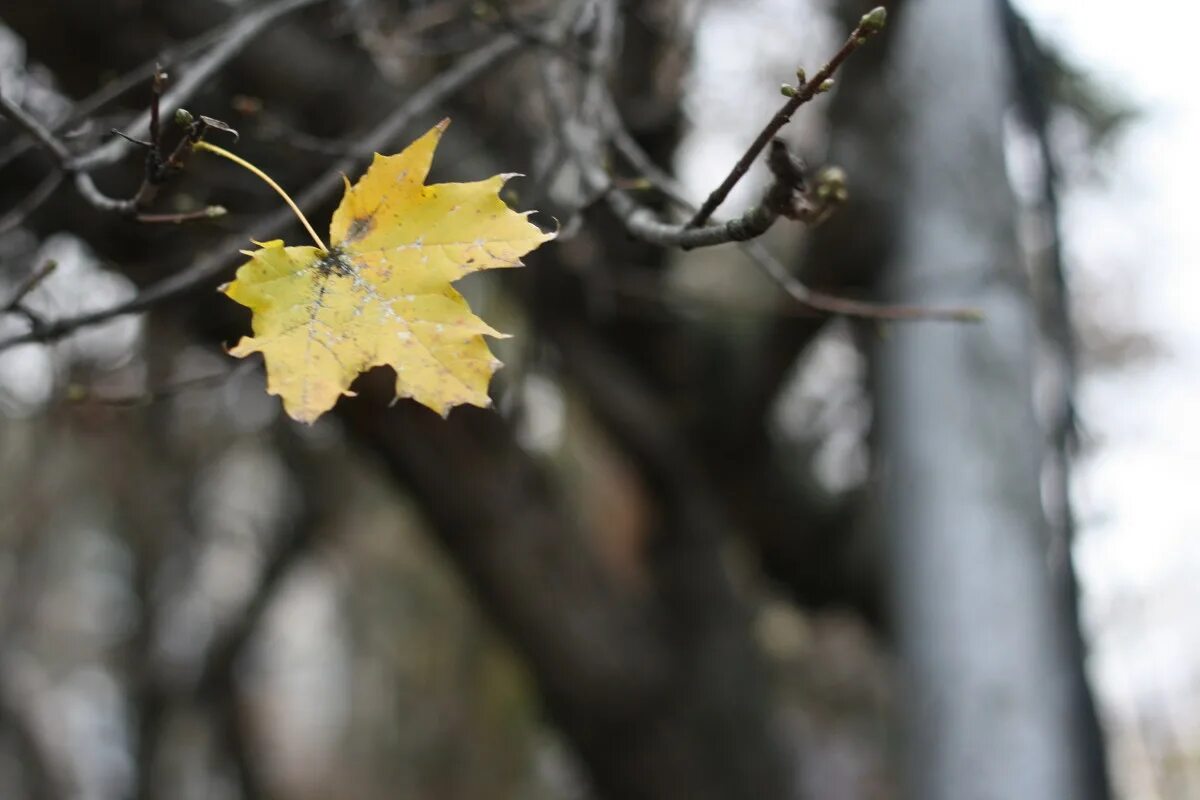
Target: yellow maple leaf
[{"x": 381, "y": 293}]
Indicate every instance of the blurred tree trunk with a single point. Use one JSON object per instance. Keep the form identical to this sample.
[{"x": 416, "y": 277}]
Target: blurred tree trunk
[{"x": 979, "y": 627}]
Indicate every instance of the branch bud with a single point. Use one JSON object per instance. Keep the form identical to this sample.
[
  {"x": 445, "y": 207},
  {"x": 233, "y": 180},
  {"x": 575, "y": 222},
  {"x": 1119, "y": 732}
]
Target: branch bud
[
  {"x": 183, "y": 117},
  {"x": 873, "y": 21},
  {"x": 787, "y": 90},
  {"x": 825, "y": 86},
  {"x": 831, "y": 185}
]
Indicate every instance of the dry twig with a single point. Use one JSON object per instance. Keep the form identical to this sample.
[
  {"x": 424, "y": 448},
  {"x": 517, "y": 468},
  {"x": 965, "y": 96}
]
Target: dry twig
[{"x": 871, "y": 23}]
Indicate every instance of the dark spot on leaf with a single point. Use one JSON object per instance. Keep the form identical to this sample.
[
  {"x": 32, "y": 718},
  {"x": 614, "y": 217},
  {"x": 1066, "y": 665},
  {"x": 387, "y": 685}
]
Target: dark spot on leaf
[{"x": 359, "y": 228}]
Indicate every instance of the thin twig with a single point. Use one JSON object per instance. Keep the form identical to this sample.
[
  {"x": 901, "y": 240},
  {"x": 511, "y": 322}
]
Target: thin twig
[
  {"x": 870, "y": 24},
  {"x": 169, "y": 57},
  {"x": 30, "y": 283},
  {"x": 238, "y": 36},
  {"x": 32, "y": 202},
  {"x": 37, "y": 130},
  {"x": 62, "y": 160},
  {"x": 778, "y": 200},
  {"x": 208, "y": 212},
  {"x": 16, "y": 302},
  {"x": 584, "y": 145},
  {"x": 628, "y": 147},
  {"x": 510, "y": 22},
  {"x": 582, "y": 130}
]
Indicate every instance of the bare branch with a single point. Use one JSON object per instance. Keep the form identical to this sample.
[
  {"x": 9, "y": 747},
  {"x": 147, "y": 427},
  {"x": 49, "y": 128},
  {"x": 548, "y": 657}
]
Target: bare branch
[
  {"x": 780, "y": 199},
  {"x": 30, "y": 283},
  {"x": 239, "y": 34},
  {"x": 16, "y": 303},
  {"x": 628, "y": 147},
  {"x": 62, "y": 159},
  {"x": 32, "y": 202},
  {"x": 133, "y": 78},
  {"x": 787, "y": 194},
  {"x": 869, "y": 25},
  {"x": 39, "y": 132},
  {"x": 584, "y": 133},
  {"x": 208, "y": 212}
]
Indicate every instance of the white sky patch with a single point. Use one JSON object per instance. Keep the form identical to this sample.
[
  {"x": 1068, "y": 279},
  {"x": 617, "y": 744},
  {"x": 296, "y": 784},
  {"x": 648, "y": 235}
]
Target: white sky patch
[
  {"x": 28, "y": 374},
  {"x": 1136, "y": 238}
]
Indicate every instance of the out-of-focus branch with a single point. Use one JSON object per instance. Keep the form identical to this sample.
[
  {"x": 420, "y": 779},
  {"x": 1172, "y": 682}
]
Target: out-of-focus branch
[
  {"x": 41, "y": 766},
  {"x": 216, "y": 687},
  {"x": 807, "y": 545},
  {"x": 16, "y": 302},
  {"x": 169, "y": 58},
  {"x": 213, "y": 688},
  {"x": 235, "y": 39},
  {"x": 27, "y": 285},
  {"x": 292, "y": 544},
  {"x": 37, "y": 130},
  {"x": 32, "y": 202},
  {"x": 63, "y": 162}
]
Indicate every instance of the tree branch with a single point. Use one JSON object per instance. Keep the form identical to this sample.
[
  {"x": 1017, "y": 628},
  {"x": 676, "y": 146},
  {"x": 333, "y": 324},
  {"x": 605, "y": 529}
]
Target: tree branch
[
  {"x": 237, "y": 37},
  {"x": 63, "y": 161},
  {"x": 585, "y": 132},
  {"x": 115, "y": 88},
  {"x": 28, "y": 123},
  {"x": 780, "y": 199},
  {"x": 870, "y": 24},
  {"x": 628, "y": 147},
  {"x": 32, "y": 202}
]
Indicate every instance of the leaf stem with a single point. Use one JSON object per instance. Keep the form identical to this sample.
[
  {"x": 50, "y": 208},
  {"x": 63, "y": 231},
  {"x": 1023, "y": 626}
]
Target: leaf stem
[{"x": 241, "y": 162}]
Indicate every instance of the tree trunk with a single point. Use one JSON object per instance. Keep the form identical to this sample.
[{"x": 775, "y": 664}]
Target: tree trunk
[{"x": 979, "y": 627}]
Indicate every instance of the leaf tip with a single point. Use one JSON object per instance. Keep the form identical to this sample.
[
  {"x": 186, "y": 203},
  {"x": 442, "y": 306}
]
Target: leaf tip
[{"x": 548, "y": 235}]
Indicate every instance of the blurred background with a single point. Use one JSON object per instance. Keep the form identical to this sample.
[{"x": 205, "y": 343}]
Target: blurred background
[{"x": 709, "y": 543}]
